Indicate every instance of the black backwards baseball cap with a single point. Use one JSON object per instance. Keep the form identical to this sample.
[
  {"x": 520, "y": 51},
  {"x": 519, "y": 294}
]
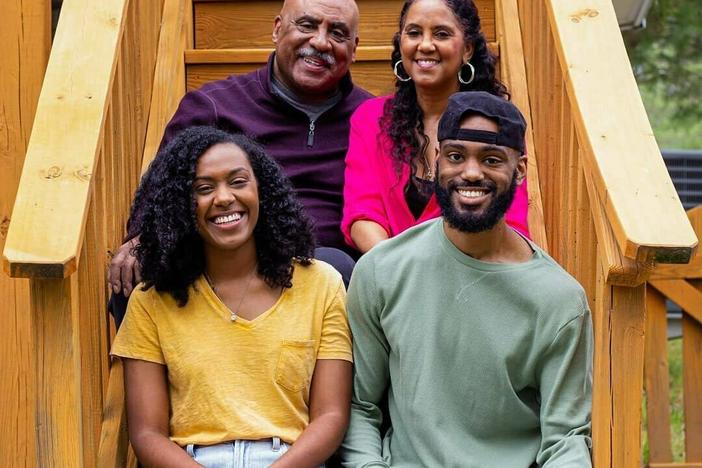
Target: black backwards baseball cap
[{"x": 510, "y": 122}]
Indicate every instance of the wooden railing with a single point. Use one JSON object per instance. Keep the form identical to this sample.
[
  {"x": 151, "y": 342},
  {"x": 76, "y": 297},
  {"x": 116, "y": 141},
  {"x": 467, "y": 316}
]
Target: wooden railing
[
  {"x": 25, "y": 36},
  {"x": 82, "y": 164},
  {"x": 683, "y": 285},
  {"x": 601, "y": 200},
  {"x": 610, "y": 208}
]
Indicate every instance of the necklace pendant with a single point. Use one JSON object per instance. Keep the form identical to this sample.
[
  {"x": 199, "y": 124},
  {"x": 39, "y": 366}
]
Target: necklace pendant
[{"x": 233, "y": 317}]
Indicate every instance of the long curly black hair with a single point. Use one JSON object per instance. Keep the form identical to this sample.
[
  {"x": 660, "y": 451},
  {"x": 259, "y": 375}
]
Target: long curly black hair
[
  {"x": 171, "y": 251},
  {"x": 402, "y": 119}
]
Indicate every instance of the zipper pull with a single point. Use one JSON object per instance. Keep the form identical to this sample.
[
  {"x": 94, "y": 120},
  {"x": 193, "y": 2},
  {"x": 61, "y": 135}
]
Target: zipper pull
[{"x": 310, "y": 135}]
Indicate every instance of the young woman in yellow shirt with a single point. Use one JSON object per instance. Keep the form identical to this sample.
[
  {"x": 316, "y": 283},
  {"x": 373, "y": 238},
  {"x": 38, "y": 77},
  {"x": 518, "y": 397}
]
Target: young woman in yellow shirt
[{"x": 236, "y": 347}]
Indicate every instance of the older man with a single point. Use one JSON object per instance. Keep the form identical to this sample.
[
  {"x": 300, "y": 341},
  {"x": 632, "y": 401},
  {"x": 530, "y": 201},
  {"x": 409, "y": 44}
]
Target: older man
[
  {"x": 480, "y": 340},
  {"x": 298, "y": 106}
]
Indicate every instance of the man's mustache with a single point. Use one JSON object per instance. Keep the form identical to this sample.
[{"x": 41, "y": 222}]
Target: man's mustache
[{"x": 326, "y": 57}]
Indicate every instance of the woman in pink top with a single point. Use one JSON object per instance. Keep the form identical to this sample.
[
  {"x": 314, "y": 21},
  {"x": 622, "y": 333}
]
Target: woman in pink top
[{"x": 438, "y": 50}]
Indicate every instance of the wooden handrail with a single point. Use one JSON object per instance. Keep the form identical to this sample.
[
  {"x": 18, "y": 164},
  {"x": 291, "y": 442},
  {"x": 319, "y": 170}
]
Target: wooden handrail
[
  {"x": 175, "y": 37},
  {"x": 619, "y": 149},
  {"x": 80, "y": 171},
  {"x": 45, "y": 236}
]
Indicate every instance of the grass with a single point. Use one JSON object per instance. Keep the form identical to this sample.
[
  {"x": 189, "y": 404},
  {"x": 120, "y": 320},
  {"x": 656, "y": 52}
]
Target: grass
[{"x": 676, "y": 404}]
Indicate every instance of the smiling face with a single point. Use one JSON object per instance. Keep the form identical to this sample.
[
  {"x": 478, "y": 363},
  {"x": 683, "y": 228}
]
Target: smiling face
[
  {"x": 315, "y": 45},
  {"x": 226, "y": 198},
  {"x": 433, "y": 45},
  {"x": 476, "y": 181}
]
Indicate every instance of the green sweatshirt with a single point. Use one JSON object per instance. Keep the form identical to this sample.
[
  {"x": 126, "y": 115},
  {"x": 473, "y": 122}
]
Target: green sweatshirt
[{"x": 483, "y": 364}]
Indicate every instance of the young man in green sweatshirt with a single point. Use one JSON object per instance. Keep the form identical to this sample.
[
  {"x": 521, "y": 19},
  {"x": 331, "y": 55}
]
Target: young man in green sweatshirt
[{"x": 480, "y": 341}]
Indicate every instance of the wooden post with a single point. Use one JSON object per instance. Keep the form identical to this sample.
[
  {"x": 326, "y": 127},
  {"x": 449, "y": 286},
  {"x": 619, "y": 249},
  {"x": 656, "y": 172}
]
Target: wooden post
[
  {"x": 602, "y": 408},
  {"x": 25, "y": 35},
  {"x": 657, "y": 380},
  {"x": 619, "y": 320},
  {"x": 59, "y": 438},
  {"x": 692, "y": 383}
]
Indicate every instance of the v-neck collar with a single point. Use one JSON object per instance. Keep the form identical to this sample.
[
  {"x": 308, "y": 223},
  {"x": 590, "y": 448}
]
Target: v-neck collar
[{"x": 224, "y": 311}]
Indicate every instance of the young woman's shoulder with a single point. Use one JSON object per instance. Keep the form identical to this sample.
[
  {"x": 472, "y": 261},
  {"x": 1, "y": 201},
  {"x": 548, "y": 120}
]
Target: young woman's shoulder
[
  {"x": 318, "y": 274},
  {"x": 153, "y": 299}
]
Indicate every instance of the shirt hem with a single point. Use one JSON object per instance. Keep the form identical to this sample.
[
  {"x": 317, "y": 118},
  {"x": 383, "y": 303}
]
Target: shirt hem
[{"x": 343, "y": 357}]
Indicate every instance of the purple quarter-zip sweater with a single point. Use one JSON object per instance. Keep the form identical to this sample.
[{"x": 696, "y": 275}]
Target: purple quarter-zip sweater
[{"x": 310, "y": 153}]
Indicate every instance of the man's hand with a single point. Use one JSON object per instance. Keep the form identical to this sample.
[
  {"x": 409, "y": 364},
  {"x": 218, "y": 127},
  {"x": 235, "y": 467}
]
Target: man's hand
[{"x": 124, "y": 272}]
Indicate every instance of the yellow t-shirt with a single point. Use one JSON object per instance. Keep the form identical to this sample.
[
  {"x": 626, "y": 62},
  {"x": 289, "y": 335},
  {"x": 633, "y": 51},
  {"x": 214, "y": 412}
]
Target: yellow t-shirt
[{"x": 243, "y": 379}]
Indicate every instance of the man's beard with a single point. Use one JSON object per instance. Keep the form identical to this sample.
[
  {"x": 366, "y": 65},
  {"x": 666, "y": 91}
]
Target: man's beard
[{"x": 467, "y": 221}]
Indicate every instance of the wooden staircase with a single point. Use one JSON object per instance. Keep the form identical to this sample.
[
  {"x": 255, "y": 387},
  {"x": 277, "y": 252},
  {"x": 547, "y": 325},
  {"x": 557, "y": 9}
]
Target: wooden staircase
[{"x": 601, "y": 201}]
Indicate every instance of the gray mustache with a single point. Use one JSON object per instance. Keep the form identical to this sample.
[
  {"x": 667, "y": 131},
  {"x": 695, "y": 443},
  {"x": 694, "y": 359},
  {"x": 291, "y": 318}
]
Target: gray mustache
[{"x": 314, "y": 53}]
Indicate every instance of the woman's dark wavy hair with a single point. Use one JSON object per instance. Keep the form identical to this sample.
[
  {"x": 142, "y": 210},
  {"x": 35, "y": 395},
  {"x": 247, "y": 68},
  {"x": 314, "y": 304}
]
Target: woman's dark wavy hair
[
  {"x": 402, "y": 119},
  {"x": 171, "y": 251}
]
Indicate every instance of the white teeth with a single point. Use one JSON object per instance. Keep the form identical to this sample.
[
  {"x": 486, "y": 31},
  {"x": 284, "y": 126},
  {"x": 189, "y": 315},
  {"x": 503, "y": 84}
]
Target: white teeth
[
  {"x": 471, "y": 193},
  {"x": 426, "y": 63},
  {"x": 227, "y": 219},
  {"x": 312, "y": 61}
]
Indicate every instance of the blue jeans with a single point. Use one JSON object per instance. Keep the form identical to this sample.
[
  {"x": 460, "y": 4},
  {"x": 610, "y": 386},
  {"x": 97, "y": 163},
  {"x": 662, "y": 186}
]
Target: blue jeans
[{"x": 239, "y": 453}]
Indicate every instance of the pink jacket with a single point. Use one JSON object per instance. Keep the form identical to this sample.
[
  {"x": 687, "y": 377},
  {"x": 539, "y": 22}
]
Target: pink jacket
[{"x": 373, "y": 189}]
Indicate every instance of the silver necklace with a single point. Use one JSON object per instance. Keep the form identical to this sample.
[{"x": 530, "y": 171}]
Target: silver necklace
[{"x": 235, "y": 312}]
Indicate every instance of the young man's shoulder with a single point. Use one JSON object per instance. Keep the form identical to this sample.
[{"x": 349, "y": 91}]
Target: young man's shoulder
[
  {"x": 412, "y": 245},
  {"x": 551, "y": 272}
]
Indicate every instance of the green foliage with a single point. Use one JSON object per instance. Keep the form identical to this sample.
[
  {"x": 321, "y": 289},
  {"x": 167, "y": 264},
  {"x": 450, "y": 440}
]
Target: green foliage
[
  {"x": 667, "y": 60},
  {"x": 671, "y": 130},
  {"x": 675, "y": 366}
]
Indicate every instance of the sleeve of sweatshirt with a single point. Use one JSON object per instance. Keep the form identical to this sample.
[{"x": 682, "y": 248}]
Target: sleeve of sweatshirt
[
  {"x": 362, "y": 446},
  {"x": 196, "y": 108},
  {"x": 566, "y": 396}
]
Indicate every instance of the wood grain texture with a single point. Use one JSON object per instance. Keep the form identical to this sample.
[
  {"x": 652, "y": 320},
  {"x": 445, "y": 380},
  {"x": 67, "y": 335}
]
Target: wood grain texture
[
  {"x": 603, "y": 416},
  {"x": 114, "y": 442},
  {"x": 619, "y": 146},
  {"x": 242, "y": 24},
  {"x": 57, "y": 372},
  {"x": 376, "y": 77},
  {"x": 25, "y": 35},
  {"x": 692, "y": 384},
  {"x": 372, "y": 69},
  {"x": 69, "y": 322},
  {"x": 682, "y": 285},
  {"x": 618, "y": 269},
  {"x": 232, "y": 56},
  {"x": 684, "y": 294},
  {"x": 514, "y": 74},
  {"x": 694, "y": 268},
  {"x": 576, "y": 239},
  {"x": 627, "y": 322},
  {"x": 169, "y": 81},
  {"x": 656, "y": 379},
  {"x": 62, "y": 153},
  {"x": 572, "y": 240}
]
